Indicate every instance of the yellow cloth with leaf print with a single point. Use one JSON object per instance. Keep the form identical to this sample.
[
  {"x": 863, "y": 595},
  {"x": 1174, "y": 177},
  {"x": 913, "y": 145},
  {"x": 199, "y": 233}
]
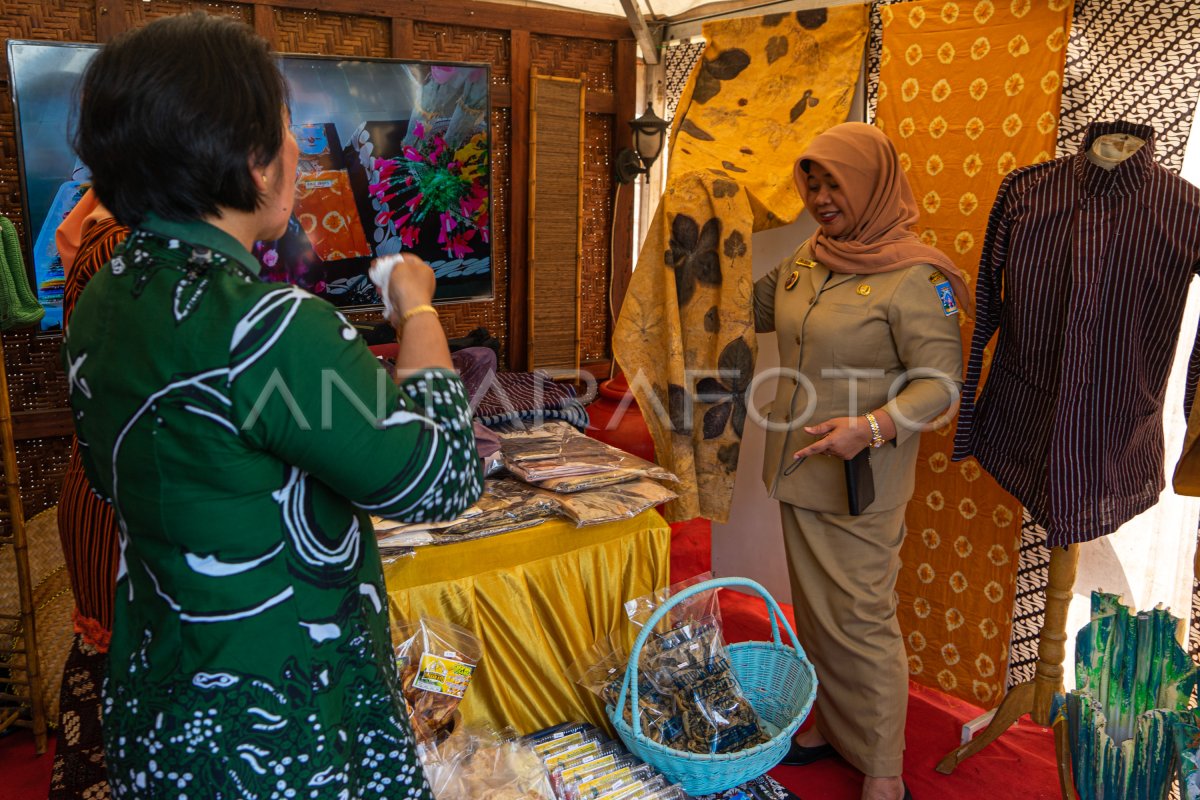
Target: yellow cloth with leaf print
[
  {"x": 764, "y": 88},
  {"x": 968, "y": 91}
]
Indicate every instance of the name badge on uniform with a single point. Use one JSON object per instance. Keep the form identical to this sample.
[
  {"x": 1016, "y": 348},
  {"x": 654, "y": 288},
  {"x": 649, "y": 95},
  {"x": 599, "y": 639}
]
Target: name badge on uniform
[
  {"x": 941, "y": 285},
  {"x": 791, "y": 281},
  {"x": 804, "y": 262}
]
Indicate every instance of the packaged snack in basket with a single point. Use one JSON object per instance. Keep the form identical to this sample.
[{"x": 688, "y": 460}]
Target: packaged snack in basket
[
  {"x": 696, "y": 608},
  {"x": 601, "y": 669},
  {"x": 691, "y": 664},
  {"x": 436, "y": 661},
  {"x": 474, "y": 765}
]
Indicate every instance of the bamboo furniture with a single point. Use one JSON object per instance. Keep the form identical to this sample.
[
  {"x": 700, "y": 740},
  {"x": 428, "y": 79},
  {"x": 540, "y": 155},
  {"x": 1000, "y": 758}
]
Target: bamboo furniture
[{"x": 22, "y": 665}]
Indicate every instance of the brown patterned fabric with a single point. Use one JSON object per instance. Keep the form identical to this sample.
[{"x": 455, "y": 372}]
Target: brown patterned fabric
[
  {"x": 79, "y": 770},
  {"x": 765, "y": 87}
]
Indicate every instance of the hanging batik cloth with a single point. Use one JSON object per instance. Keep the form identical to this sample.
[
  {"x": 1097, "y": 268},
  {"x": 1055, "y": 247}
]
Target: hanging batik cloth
[
  {"x": 765, "y": 87},
  {"x": 968, "y": 91},
  {"x": 1138, "y": 61}
]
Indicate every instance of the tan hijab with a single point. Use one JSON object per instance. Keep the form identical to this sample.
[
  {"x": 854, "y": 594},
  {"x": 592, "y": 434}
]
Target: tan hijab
[{"x": 863, "y": 162}]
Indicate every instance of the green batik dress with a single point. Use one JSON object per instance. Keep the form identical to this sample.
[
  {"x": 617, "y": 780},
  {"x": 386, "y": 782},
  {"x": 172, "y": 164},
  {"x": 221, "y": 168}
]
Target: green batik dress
[{"x": 244, "y": 434}]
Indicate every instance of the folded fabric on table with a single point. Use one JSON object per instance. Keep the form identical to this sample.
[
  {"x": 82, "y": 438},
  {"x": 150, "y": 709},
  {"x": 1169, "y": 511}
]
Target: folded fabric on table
[{"x": 573, "y": 413}]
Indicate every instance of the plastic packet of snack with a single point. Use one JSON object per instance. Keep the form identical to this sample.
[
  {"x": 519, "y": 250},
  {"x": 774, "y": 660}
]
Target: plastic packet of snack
[
  {"x": 636, "y": 790},
  {"x": 672, "y": 792},
  {"x": 571, "y": 749},
  {"x": 557, "y": 732},
  {"x": 570, "y": 769},
  {"x": 695, "y": 609},
  {"x": 691, "y": 664},
  {"x": 601, "y": 668},
  {"x": 589, "y": 766},
  {"x": 436, "y": 661},
  {"x": 480, "y": 765},
  {"x": 598, "y": 785}
]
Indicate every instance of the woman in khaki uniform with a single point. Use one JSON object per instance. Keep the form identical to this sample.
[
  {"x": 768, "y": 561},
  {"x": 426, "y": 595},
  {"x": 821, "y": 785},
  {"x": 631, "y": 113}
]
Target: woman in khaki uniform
[{"x": 867, "y": 320}]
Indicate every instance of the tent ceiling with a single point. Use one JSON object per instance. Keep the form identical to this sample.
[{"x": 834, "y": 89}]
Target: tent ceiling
[{"x": 662, "y": 9}]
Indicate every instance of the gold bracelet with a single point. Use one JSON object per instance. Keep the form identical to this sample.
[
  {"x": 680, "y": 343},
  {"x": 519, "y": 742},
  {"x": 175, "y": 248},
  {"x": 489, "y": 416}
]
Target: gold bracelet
[
  {"x": 421, "y": 309},
  {"x": 876, "y": 435}
]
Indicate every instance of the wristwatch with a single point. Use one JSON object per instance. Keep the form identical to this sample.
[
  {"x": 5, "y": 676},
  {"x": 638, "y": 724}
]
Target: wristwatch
[{"x": 876, "y": 436}]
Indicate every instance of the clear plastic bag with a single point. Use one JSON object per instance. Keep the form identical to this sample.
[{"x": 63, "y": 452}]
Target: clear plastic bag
[
  {"x": 436, "y": 661},
  {"x": 695, "y": 609},
  {"x": 622, "y": 501},
  {"x": 556, "y": 451},
  {"x": 600, "y": 670},
  {"x": 691, "y": 665},
  {"x": 480, "y": 765},
  {"x": 506, "y": 505},
  {"x": 599, "y": 784}
]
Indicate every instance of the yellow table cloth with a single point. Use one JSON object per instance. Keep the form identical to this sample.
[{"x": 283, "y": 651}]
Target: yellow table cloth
[{"x": 536, "y": 598}]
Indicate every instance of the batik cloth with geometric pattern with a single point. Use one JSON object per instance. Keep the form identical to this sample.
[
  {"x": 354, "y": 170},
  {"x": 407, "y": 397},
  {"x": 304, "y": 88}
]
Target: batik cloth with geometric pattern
[
  {"x": 968, "y": 91},
  {"x": 765, "y": 87},
  {"x": 1138, "y": 61},
  {"x": 244, "y": 433}
]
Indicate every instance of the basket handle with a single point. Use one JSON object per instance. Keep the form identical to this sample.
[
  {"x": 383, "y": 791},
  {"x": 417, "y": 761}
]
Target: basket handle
[{"x": 631, "y": 669}]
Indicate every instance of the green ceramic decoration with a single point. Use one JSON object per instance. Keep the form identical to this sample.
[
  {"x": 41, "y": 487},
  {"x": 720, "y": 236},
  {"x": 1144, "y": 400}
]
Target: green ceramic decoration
[{"x": 1134, "y": 682}]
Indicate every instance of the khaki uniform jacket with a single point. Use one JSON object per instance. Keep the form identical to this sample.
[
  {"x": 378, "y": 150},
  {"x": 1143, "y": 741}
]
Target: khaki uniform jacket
[{"x": 837, "y": 339}]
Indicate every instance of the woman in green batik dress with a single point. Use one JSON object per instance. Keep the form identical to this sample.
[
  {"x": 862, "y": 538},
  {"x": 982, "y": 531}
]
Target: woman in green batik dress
[{"x": 244, "y": 434}]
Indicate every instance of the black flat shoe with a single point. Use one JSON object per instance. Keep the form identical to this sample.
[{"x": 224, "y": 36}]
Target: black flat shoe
[{"x": 800, "y": 756}]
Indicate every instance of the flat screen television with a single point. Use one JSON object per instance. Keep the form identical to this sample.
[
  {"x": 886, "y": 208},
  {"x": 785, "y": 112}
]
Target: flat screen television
[{"x": 394, "y": 155}]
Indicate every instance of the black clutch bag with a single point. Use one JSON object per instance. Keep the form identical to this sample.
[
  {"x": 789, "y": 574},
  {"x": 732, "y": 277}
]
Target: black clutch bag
[{"x": 860, "y": 482}]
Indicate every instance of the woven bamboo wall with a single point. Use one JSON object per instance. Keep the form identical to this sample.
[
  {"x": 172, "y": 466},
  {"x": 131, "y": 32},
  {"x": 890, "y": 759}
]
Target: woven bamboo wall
[{"x": 38, "y": 385}]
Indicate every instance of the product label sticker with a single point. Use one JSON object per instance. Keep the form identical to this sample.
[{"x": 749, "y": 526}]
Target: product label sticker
[
  {"x": 443, "y": 675},
  {"x": 613, "y": 780},
  {"x": 562, "y": 743},
  {"x": 317, "y": 184},
  {"x": 562, "y": 757},
  {"x": 635, "y": 789},
  {"x": 946, "y": 295},
  {"x": 588, "y": 766}
]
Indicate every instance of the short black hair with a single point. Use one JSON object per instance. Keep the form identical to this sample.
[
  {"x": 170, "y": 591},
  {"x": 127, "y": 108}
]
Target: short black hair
[{"x": 173, "y": 115}]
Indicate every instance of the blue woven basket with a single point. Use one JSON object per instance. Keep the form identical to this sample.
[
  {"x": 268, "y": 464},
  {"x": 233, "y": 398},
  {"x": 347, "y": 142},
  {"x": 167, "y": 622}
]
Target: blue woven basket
[{"x": 777, "y": 679}]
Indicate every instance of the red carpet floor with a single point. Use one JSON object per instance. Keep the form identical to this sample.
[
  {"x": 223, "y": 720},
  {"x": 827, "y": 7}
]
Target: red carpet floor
[{"x": 1019, "y": 766}]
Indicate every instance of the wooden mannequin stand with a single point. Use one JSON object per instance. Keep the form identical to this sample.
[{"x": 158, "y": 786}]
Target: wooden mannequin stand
[{"x": 1034, "y": 697}]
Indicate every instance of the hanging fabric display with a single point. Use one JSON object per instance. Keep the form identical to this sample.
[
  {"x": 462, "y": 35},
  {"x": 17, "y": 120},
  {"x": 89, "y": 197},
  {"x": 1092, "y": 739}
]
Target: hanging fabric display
[
  {"x": 763, "y": 89},
  {"x": 968, "y": 91},
  {"x": 1138, "y": 61}
]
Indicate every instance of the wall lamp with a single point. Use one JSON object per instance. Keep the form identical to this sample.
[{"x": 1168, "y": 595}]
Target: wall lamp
[{"x": 649, "y": 133}]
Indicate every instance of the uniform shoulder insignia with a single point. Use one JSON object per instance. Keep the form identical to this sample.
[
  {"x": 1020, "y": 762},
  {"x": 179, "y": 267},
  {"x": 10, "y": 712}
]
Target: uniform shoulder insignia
[{"x": 945, "y": 293}]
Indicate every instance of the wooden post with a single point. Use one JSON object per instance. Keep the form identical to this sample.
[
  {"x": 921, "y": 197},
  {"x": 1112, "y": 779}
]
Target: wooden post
[
  {"x": 264, "y": 24},
  {"x": 1033, "y": 697},
  {"x": 110, "y": 19},
  {"x": 518, "y": 203},
  {"x": 626, "y": 102},
  {"x": 16, "y": 519},
  {"x": 402, "y": 38}
]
